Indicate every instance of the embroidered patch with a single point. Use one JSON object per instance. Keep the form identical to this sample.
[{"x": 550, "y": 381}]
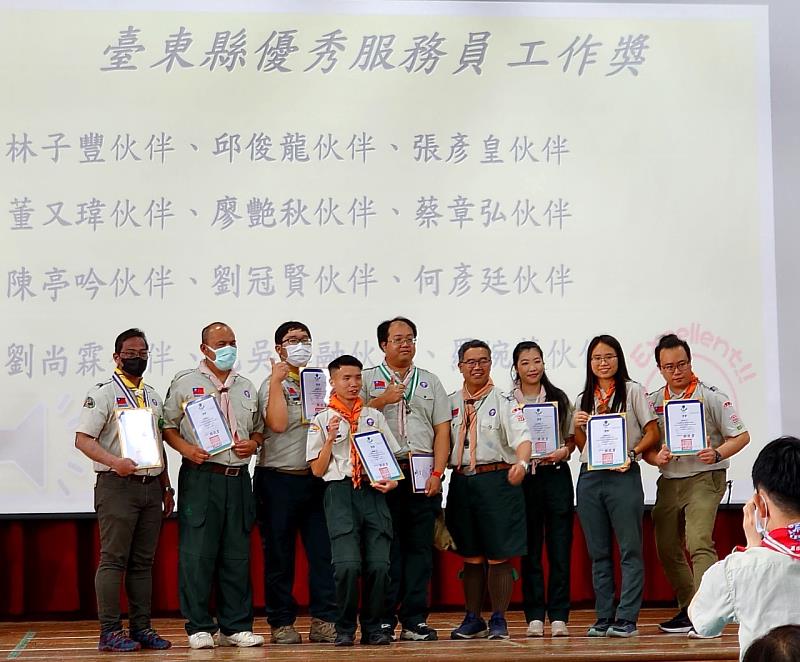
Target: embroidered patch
[
  {"x": 371, "y": 421},
  {"x": 122, "y": 402},
  {"x": 314, "y": 428},
  {"x": 454, "y": 412},
  {"x": 660, "y": 410},
  {"x": 423, "y": 384},
  {"x": 247, "y": 394},
  {"x": 727, "y": 404},
  {"x": 379, "y": 383},
  {"x": 88, "y": 403},
  {"x": 198, "y": 390},
  {"x": 492, "y": 412}
]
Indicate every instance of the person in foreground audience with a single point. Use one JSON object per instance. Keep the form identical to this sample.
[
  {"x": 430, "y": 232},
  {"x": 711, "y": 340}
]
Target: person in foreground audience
[
  {"x": 758, "y": 586},
  {"x": 779, "y": 645}
]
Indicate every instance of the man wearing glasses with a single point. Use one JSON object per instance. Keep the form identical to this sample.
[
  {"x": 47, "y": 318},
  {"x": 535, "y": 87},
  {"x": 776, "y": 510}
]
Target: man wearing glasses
[
  {"x": 417, "y": 410},
  {"x": 128, "y": 500},
  {"x": 690, "y": 487},
  {"x": 485, "y": 513},
  {"x": 290, "y": 499}
]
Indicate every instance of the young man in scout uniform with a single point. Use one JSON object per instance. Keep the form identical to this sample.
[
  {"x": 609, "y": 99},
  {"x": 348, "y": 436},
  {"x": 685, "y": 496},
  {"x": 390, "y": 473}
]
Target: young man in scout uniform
[
  {"x": 217, "y": 509},
  {"x": 289, "y": 498},
  {"x": 690, "y": 487},
  {"x": 355, "y": 510},
  {"x": 417, "y": 408},
  {"x": 491, "y": 450},
  {"x": 128, "y": 500}
]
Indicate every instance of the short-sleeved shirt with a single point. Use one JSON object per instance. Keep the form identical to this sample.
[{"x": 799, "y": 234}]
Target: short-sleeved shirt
[
  {"x": 340, "y": 467},
  {"x": 638, "y": 411},
  {"x": 98, "y": 420},
  {"x": 284, "y": 450},
  {"x": 722, "y": 422},
  {"x": 501, "y": 428},
  {"x": 191, "y": 384},
  {"x": 565, "y": 423},
  {"x": 429, "y": 404}
]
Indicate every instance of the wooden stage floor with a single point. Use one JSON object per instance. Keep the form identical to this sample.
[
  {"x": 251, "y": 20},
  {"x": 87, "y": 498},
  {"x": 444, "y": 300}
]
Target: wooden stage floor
[{"x": 77, "y": 640}]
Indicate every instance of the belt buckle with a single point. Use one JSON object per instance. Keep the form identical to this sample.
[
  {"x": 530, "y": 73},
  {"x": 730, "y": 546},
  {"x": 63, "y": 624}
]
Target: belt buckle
[{"x": 232, "y": 472}]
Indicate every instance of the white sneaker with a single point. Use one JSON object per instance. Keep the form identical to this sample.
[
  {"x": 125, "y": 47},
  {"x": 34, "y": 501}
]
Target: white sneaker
[
  {"x": 201, "y": 640},
  {"x": 559, "y": 629},
  {"x": 241, "y": 639},
  {"x": 694, "y": 634},
  {"x": 535, "y": 629}
]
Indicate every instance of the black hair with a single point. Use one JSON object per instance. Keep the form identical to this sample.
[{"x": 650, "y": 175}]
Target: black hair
[
  {"x": 781, "y": 644},
  {"x": 126, "y": 335},
  {"x": 552, "y": 393},
  {"x": 472, "y": 344},
  {"x": 206, "y": 329},
  {"x": 621, "y": 377},
  {"x": 344, "y": 360},
  {"x": 383, "y": 328},
  {"x": 671, "y": 341},
  {"x": 777, "y": 472},
  {"x": 284, "y": 328}
]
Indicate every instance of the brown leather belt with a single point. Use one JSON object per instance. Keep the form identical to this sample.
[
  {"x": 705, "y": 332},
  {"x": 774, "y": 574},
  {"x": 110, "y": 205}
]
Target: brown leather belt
[
  {"x": 145, "y": 480},
  {"x": 291, "y": 472},
  {"x": 482, "y": 468},
  {"x": 214, "y": 468}
]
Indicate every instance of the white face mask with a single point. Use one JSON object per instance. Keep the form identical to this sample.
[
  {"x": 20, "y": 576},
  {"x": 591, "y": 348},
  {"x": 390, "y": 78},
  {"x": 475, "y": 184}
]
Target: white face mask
[{"x": 298, "y": 355}]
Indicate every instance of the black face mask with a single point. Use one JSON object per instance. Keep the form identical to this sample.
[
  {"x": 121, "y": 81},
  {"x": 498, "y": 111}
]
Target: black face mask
[{"x": 135, "y": 366}]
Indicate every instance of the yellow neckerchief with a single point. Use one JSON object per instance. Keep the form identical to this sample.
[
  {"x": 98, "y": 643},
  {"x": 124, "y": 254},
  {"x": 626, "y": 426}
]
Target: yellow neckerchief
[{"x": 138, "y": 391}]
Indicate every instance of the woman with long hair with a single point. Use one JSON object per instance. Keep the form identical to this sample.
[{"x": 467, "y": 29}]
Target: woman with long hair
[
  {"x": 548, "y": 501},
  {"x": 611, "y": 501}
]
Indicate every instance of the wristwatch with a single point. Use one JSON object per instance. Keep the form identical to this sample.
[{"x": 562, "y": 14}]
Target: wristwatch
[
  {"x": 717, "y": 456},
  {"x": 524, "y": 465},
  {"x": 170, "y": 489},
  {"x": 632, "y": 455}
]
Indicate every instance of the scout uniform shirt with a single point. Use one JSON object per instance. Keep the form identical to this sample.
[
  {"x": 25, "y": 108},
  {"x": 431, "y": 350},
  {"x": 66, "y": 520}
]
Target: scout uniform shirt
[
  {"x": 284, "y": 450},
  {"x": 190, "y": 384},
  {"x": 339, "y": 467},
  {"x": 638, "y": 412},
  {"x": 98, "y": 420},
  {"x": 722, "y": 422},
  {"x": 428, "y": 402},
  {"x": 501, "y": 428}
]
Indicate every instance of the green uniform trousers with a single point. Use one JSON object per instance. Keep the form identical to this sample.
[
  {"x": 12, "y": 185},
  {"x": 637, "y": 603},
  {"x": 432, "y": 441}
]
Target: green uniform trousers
[
  {"x": 358, "y": 519},
  {"x": 215, "y": 517}
]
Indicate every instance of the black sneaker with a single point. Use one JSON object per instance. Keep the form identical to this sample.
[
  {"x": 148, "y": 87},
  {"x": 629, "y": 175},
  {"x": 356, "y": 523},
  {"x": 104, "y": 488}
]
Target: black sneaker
[
  {"x": 498, "y": 627},
  {"x": 600, "y": 628},
  {"x": 420, "y": 632},
  {"x": 678, "y": 624},
  {"x": 472, "y": 627},
  {"x": 343, "y": 639},
  {"x": 388, "y": 629},
  {"x": 622, "y": 628},
  {"x": 379, "y": 638}
]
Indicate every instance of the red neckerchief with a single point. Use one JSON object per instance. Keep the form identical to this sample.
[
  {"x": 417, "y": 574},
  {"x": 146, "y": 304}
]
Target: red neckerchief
[{"x": 785, "y": 540}]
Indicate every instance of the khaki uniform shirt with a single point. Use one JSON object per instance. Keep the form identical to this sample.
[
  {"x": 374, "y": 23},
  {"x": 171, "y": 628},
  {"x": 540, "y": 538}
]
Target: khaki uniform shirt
[
  {"x": 340, "y": 467},
  {"x": 722, "y": 422},
  {"x": 430, "y": 406},
  {"x": 284, "y": 450},
  {"x": 97, "y": 418},
  {"x": 191, "y": 384},
  {"x": 501, "y": 428}
]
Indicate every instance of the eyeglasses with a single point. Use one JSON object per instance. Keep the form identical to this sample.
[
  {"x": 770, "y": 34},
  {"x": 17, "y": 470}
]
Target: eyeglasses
[
  {"x": 305, "y": 342},
  {"x": 607, "y": 358},
  {"x": 675, "y": 367},
  {"x": 144, "y": 354},
  {"x": 471, "y": 363},
  {"x": 399, "y": 342}
]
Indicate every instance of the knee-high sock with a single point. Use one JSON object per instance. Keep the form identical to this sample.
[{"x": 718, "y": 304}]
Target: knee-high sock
[
  {"x": 501, "y": 583},
  {"x": 474, "y": 586}
]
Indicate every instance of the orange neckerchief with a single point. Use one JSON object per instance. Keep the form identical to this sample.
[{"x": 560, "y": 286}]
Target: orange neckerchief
[
  {"x": 469, "y": 425},
  {"x": 686, "y": 394},
  {"x": 351, "y": 416},
  {"x": 602, "y": 407}
]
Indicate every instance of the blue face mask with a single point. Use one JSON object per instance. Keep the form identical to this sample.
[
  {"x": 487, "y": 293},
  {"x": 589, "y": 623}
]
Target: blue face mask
[{"x": 224, "y": 357}]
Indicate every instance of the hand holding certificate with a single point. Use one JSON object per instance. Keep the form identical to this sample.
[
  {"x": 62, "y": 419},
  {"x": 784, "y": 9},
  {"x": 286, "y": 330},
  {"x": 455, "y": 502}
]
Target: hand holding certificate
[
  {"x": 208, "y": 424},
  {"x": 421, "y": 465},
  {"x": 138, "y": 437},
  {"x": 314, "y": 393},
  {"x": 376, "y": 456},
  {"x": 542, "y": 420},
  {"x": 684, "y": 426},
  {"x": 607, "y": 440}
]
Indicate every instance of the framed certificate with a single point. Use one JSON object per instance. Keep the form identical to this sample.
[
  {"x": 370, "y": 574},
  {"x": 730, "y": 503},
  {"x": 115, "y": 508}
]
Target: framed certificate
[
  {"x": 685, "y": 426},
  {"x": 314, "y": 393},
  {"x": 607, "y": 440},
  {"x": 542, "y": 420},
  {"x": 376, "y": 456},
  {"x": 138, "y": 437},
  {"x": 421, "y": 465},
  {"x": 208, "y": 424}
]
